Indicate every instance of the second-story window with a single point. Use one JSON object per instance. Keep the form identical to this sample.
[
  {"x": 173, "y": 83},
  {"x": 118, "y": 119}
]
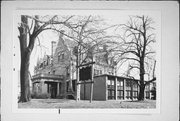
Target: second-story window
[
  {"x": 44, "y": 63},
  {"x": 100, "y": 72},
  {"x": 61, "y": 57},
  {"x": 97, "y": 72}
]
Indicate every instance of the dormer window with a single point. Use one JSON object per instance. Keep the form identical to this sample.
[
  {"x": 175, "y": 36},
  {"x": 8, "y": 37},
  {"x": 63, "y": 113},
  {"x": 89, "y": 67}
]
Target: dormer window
[
  {"x": 61, "y": 57},
  {"x": 44, "y": 63}
]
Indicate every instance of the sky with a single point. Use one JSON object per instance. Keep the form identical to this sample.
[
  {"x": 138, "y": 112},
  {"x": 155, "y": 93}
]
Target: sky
[{"x": 111, "y": 17}]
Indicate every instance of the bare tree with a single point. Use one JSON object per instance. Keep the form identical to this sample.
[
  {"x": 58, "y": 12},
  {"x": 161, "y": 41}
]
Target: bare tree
[
  {"x": 28, "y": 36},
  {"x": 136, "y": 48},
  {"x": 89, "y": 34},
  {"x": 31, "y": 26}
]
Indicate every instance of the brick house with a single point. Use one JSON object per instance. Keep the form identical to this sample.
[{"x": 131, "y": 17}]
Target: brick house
[
  {"x": 55, "y": 75},
  {"x": 55, "y": 69}
]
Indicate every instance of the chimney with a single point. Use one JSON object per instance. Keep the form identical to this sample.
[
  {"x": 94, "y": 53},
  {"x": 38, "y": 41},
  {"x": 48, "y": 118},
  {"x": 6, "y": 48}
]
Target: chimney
[{"x": 52, "y": 48}]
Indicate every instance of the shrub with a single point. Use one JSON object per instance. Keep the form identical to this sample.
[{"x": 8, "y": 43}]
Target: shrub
[{"x": 41, "y": 96}]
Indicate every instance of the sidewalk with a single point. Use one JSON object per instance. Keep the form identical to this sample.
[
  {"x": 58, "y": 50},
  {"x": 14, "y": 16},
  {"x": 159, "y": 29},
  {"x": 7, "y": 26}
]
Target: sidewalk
[{"x": 64, "y": 103}]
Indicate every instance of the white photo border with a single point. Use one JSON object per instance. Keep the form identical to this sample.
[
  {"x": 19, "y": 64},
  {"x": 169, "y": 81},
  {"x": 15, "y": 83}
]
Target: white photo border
[{"x": 168, "y": 66}]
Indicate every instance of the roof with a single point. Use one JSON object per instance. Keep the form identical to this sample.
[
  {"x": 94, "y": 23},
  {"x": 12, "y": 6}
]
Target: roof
[
  {"x": 69, "y": 43},
  {"x": 47, "y": 76},
  {"x": 113, "y": 76}
]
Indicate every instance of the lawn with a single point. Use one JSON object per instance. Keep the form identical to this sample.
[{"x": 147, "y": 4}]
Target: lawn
[{"x": 64, "y": 103}]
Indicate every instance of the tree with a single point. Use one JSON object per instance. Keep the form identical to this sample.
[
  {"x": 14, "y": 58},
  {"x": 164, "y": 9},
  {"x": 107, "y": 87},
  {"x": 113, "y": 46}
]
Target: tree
[
  {"x": 88, "y": 34},
  {"x": 31, "y": 26},
  {"x": 27, "y": 38},
  {"x": 136, "y": 48}
]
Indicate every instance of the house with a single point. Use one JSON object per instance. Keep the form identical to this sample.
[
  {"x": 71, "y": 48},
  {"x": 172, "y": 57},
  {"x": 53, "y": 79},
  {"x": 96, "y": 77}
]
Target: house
[
  {"x": 55, "y": 75},
  {"x": 52, "y": 72}
]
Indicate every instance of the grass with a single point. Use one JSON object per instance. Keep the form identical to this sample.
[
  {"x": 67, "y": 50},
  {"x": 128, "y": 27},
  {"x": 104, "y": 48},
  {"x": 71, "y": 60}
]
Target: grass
[{"x": 65, "y": 103}]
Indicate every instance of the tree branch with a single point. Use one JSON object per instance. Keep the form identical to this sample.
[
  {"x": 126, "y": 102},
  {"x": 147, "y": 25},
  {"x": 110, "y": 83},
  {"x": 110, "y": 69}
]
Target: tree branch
[{"x": 152, "y": 80}]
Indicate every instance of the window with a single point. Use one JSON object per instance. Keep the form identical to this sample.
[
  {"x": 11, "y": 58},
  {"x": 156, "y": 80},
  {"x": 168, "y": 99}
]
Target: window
[
  {"x": 94, "y": 72},
  {"x": 128, "y": 94},
  {"x": 67, "y": 87},
  {"x": 61, "y": 57},
  {"x": 44, "y": 63},
  {"x": 47, "y": 62},
  {"x": 111, "y": 89},
  {"x": 68, "y": 71},
  {"x": 120, "y": 94},
  {"x": 135, "y": 94},
  {"x": 147, "y": 94},
  {"x": 108, "y": 82},
  {"x": 97, "y": 72},
  {"x": 120, "y": 85},
  {"x": 48, "y": 87},
  {"x": 111, "y": 94},
  {"x": 128, "y": 84},
  {"x": 147, "y": 87},
  {"x": 135, "y": 86},
  {"x": 41, "y": 65}
]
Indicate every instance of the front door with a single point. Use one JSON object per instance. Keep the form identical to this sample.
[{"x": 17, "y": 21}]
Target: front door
[{"x": 53, "y": 90}]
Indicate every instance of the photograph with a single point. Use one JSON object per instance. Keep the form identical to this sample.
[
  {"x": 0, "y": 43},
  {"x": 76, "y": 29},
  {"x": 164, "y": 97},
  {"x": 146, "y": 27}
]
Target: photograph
[
  {"x": 94, "y": 59},
  {"x": 89, "y": 60}
]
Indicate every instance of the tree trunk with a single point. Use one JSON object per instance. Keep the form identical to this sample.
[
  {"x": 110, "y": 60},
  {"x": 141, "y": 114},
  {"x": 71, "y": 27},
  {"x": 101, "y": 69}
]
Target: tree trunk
[
  {"x": 142, "y": 85},
  {"x": 25, "y": 57},
  {"x": 141, "y": 92},
  {"x": 24, "y": 76}
]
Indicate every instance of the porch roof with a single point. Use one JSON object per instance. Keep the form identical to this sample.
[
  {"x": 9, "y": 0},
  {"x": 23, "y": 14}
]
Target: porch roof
[{"x": 47, "y": 76}]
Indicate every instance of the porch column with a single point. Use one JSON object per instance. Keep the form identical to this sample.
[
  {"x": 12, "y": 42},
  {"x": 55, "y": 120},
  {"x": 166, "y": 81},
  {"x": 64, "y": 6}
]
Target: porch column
[
  {"x": 64, "y": 90},
  {"x": 150, "y": 87},
  {"x": 57, "y": 88},
  {"x": 115, "y": 88},
  {"x": 43, "y": 87},
  {"x": 33, "y": 88},
  {"x": 106, "y": 79},
  {"x": 131, "y": 89},
  {"x": 124, "y": 89}
]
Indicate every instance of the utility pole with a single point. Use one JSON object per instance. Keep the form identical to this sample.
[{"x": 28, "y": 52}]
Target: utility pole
[
  {"x": 77, "y": 75},
  {"x": 70, "y": 73},
  {"x": 92, "y": 80}
]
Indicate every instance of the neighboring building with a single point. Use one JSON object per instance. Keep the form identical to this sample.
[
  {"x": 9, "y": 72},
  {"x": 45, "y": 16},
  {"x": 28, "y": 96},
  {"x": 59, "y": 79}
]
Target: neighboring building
[{"x": 110, "y": 87}]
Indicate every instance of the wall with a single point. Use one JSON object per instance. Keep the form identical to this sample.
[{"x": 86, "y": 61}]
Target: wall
[
  {"x": 99, "y": 89},
  {"x": 99, "y": 92}
]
